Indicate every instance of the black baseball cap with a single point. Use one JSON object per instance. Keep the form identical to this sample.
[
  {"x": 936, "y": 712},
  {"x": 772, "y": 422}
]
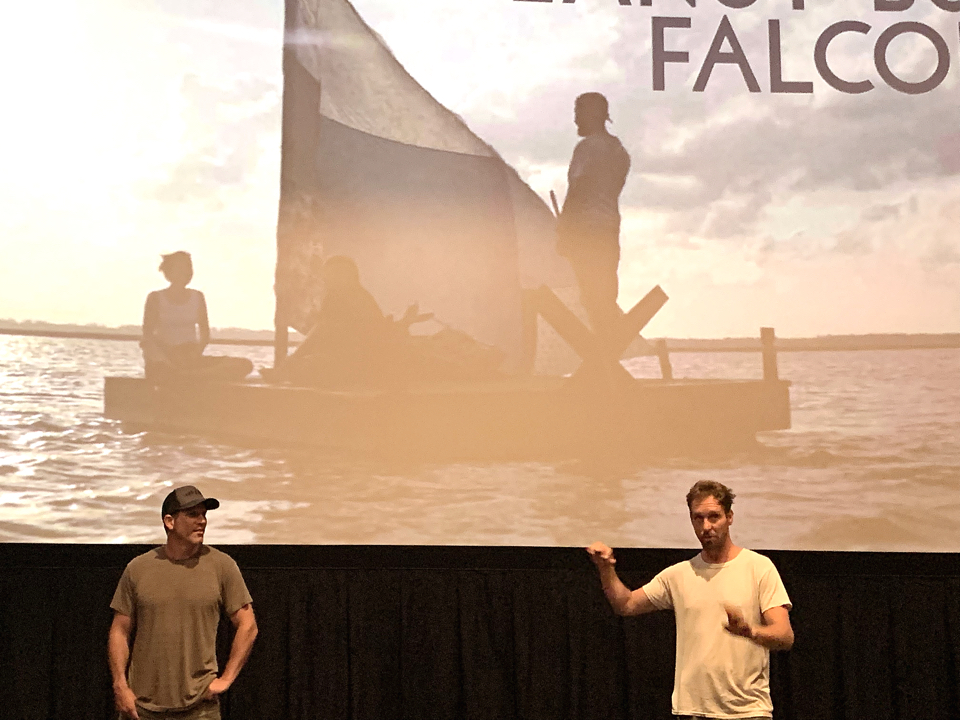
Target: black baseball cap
[{"x": 184, "y": 498}]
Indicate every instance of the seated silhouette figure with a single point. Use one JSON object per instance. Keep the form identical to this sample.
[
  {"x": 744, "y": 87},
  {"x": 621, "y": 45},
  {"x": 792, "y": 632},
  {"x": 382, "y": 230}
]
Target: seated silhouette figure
[
  {"x": 352, "y": 343},
  {"x": 176, "y": 331}
]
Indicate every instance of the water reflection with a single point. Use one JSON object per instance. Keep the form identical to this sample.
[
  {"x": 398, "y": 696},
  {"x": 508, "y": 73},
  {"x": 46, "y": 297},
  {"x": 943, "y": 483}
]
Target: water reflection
[{"x": 874, "y": 452}]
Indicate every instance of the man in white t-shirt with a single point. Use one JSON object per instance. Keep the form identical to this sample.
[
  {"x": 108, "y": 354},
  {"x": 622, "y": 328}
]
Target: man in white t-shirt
[{"x": 731, "y": 609}]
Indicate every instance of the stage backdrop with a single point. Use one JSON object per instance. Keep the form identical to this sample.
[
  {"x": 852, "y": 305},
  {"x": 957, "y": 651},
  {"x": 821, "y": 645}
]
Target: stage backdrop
[{"x": 413, "y": 632}]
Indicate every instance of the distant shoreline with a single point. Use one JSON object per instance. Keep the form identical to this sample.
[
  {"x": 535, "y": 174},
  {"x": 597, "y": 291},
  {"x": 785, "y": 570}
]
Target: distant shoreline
[
  {"x": 264, "y": 338},
  {"x": 131, "y": 337}
]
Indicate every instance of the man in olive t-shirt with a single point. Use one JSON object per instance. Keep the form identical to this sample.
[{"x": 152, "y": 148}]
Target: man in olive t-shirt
[{"x": 169, "y": 601}]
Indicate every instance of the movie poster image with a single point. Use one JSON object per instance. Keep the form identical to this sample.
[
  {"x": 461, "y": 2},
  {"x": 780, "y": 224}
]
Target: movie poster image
[{"x": 792, "y": 165}]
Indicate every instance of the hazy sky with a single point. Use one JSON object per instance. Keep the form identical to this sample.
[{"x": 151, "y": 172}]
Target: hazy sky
[{"x": 132, "y": 128}]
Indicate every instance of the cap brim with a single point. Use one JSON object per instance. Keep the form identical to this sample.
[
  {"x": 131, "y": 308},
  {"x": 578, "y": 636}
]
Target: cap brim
[{"x": 208, "y": 503}]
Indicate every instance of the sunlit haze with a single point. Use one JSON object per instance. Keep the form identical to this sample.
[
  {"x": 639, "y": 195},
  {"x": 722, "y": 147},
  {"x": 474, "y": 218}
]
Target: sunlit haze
[{"x": 133, "y": 128}]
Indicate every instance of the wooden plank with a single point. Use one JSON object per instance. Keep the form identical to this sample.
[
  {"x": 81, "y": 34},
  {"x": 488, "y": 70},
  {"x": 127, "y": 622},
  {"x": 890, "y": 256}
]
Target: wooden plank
[
  {"x": 577, "y": 335},
  {"x": 640, "y": 314},
  {"x": 600, "y": 367},
  {"x": 768, "y": 340},
  {"x": 601, "y": 364}
]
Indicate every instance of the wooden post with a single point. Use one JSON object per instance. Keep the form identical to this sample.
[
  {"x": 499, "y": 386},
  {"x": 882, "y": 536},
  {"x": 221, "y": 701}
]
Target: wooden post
[
  {"x": 666, "y": 372},
  {"x": 767, "y": 340},
  {"x": 528, "y": 329},
  {"x": 281, "y": 337},
  {"x": 291, "y": 152}
]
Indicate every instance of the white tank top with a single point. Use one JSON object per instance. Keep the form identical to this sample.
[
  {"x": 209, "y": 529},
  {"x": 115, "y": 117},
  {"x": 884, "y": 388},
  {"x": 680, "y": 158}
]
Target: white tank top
[{"x": 178, "y": 322}]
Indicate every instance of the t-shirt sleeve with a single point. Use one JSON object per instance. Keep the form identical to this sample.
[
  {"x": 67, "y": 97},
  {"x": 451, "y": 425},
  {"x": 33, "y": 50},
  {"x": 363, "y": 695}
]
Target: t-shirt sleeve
[
  {"x": 659, "y": 592},
  {"x": 576, "y": 164},
  {"x": 124, "y": 598},
  {"x": 772, "y": 591},
  {"x": 233, "y": 589},
  {"x": 586, "y": 160}
]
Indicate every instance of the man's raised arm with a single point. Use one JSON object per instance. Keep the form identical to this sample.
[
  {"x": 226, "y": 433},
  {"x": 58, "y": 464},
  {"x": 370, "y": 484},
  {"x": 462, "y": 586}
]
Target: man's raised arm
[{"x": 621, "y": 598}]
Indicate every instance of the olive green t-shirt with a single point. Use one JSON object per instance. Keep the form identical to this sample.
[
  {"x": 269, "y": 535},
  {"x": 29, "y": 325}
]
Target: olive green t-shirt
[{"x": 175, "y": 606}]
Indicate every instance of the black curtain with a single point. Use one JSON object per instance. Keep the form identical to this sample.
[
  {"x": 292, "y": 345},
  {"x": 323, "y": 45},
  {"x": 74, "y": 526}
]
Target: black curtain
[{"x": 480, "y": 632}]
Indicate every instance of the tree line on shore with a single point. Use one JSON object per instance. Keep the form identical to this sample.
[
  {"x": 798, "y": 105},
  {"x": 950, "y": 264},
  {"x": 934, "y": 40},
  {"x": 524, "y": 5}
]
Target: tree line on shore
[{"x": 231, "y": 335}]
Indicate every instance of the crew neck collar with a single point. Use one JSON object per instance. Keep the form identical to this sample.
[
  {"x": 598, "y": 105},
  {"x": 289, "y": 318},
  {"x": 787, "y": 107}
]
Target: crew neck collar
[{"x": 721, "y": 564}]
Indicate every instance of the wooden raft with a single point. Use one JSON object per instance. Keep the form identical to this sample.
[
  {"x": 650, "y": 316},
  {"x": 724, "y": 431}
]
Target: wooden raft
[
  {"x": 600, "y": 409},
  {"x": 536, "y": 418}
]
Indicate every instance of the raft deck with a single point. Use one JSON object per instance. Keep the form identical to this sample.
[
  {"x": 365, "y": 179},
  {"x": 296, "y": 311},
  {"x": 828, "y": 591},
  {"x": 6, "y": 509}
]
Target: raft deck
[{"x": 524, "y": 418}]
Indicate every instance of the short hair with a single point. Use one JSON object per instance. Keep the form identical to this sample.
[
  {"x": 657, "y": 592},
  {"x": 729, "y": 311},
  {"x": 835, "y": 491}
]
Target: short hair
[
  {"x": 174, "y": 260},
  {"x": 344, "y": 265},
  {"x": 710, "y": 488},
  {"x": 595, "y": 102}
]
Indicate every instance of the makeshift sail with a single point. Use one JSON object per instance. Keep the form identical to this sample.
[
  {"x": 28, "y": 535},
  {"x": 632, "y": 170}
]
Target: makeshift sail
[{"x": 375, "y": 168}]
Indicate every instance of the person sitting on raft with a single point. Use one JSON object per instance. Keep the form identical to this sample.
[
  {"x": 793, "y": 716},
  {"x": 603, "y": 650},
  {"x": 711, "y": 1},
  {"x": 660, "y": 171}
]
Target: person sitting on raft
[
  {"x": 176, "y": 330},
  {"x": 351, "y": 341}
]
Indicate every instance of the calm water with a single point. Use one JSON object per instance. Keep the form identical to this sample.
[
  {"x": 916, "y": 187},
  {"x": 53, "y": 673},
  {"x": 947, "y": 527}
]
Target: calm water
[{"x": 872, "y": 463}]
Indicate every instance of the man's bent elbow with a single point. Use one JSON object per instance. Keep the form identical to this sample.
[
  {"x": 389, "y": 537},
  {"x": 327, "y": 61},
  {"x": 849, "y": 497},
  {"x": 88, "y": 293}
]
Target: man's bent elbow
[
  {"x": 783, "y": 642},
  {"x": 619, "y": 604},
  {"x": 629, "y": 608}
]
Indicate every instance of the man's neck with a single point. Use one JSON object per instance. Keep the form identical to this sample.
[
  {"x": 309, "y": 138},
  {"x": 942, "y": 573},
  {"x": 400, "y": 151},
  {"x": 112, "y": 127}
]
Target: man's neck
[
  {"x": 181, "y": 551},
  {"x": 596, "y": 131},
  {"x": 721, "y": 555}
]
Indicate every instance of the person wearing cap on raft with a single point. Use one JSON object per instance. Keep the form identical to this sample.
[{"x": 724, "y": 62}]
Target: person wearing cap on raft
[
  {"x": 168, "y": 602},
  {"x": 588, "y": 228}
]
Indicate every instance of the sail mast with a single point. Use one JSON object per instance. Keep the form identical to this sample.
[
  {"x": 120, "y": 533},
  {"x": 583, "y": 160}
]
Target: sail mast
[{"x": 281, "y": 322}]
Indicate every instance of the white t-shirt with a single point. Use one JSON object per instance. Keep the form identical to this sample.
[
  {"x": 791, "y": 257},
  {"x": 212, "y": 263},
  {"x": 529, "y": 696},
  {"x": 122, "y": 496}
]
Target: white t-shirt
[{"x": 719, "y": 675}]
